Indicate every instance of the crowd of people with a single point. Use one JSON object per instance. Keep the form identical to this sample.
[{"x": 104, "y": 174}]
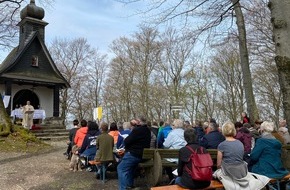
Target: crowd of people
[{"x": 248, "y": 155}]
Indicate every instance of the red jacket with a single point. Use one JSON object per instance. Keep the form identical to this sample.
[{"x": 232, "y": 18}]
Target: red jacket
[
  {"x": 80, "y": 136},
  {"x": 115, "y": 135}
]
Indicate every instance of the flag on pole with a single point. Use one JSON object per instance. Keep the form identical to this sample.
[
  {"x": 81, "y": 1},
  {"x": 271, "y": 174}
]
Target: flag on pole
[
  {"x": 98, "y": 113},
  {"x": 6, "y": 100}
]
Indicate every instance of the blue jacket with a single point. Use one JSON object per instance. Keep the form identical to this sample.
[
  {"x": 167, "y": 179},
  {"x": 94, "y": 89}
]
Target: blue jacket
[
  {"x": 266, "y": 157},
  {"x": 212, "y": 140},
  {"x": 162, "y": 135}
]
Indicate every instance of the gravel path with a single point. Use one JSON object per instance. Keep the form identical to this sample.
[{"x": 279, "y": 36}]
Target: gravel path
[{"x": 47, "y": 171}]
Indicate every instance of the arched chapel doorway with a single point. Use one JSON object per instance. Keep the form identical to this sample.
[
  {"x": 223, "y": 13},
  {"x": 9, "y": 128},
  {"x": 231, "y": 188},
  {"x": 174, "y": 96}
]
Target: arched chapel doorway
[{"x": 22, "y": 96}]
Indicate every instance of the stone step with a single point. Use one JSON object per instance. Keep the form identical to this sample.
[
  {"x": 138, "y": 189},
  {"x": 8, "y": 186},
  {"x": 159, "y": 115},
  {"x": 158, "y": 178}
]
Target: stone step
[
  {"x": 53, "y": 138},
  {"x": 49, "y": 130},
  {"x": 46, "y": 126},
  {"x": 52, "y": 134}
]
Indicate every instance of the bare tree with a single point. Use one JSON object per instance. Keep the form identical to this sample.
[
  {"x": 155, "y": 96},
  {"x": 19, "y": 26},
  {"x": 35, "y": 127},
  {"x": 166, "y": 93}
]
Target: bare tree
[
  {"x": 8, "y": 22},
  {"x": 177, "y": 53},
  {"x": 195, "y": 88},
  {"x": 96, "y": 71},
  {"x": 71, "y": 58},
  {"x": 227, "y": 71},
  {"x": 118, "y": 95},
  {"x": 137, "y": 58},
  {"x": 9, "y": 17},
  {"x": 145, "y": 55},
  {"x": 213, "y": 14}
]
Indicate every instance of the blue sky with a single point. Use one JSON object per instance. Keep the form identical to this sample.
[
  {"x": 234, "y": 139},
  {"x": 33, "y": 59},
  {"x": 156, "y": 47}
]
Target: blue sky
[{"x": 99, "y": 21}]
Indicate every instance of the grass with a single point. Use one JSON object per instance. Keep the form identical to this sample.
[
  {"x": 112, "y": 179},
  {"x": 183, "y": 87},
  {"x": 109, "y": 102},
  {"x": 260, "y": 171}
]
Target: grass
[{"x": 21, "y": 140}]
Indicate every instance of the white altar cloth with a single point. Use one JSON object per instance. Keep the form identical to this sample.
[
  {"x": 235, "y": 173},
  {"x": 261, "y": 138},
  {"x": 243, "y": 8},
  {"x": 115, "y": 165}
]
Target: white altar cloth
[{"x": 38, "y": 114}]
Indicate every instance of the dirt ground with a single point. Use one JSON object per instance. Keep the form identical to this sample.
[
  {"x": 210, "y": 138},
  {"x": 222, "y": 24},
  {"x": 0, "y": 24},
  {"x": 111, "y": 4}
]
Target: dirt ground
[{"x": 49, "y": 171}]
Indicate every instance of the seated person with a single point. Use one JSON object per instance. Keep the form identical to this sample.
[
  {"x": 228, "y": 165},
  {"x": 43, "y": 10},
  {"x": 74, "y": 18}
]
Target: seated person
[
  {"x": 81, "y": 133},
  {"x": 199, "y": 131},
  {"x": 154, "y": 128},
  {"x": 266, "y": 155},
  {"x": 72, "y": 134},
  {"x": 213, "y": 138},
  {"x": 162, "y": 134},
  {"x": 174, "y": 140},
  {"x": 283, "y": 131},
  {"x": 123, "y": 134},
  {"x": 184, "y": 179},
  {"x": 244, "y": 135},
  {"x": 138, "y": 139},
  {"x": 88, "y": 148},
  {"x": 114, "y": 132},
  {"x": 105, "y": 145},
  {"x": 233, "y": 172},
  {"x": 153, "y": 136}
]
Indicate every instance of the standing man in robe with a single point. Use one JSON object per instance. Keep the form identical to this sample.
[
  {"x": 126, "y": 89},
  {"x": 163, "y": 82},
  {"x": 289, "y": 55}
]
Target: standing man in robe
[{"x": 28, "y": 111}]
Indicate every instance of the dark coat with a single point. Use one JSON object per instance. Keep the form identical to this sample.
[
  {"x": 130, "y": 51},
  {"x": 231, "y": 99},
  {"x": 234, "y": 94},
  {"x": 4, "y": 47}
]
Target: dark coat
[
  {"x": 199, "y": 133},
  {"x": 72, "y": 134},
  {"x": 137, "y": 140},
  {"x": 212, "y": 140},
  {"x": 89, "y": 140},
  {"x": 184, "y": 155}
]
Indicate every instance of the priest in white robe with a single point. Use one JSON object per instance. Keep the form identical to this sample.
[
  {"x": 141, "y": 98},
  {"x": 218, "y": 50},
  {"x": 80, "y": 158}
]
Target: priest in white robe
[{"x": 28, "y": 111}]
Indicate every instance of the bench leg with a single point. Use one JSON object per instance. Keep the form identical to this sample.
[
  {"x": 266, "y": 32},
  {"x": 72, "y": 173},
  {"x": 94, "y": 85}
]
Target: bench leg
[
  {"x": 274, "y": 186},
  {"x": 104, "y": 168},
  {"x": 101, "y": 171}
]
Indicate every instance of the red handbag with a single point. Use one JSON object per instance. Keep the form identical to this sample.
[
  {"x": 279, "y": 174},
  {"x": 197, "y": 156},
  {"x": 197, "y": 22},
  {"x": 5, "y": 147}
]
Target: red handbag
[{"x": 201, "y": 165}]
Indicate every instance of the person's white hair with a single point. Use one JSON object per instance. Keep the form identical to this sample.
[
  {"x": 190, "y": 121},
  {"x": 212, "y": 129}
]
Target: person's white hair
[
  {"x": 126, "y": 125},
  {"x": 177, "y": 123},
  {"x": 283, "y": 129},
  {"x": 267, "y": 126}
]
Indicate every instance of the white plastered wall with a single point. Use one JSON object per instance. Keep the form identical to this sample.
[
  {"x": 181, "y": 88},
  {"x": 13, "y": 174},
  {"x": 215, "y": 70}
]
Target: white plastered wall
[{"x": 45, "y": 96}]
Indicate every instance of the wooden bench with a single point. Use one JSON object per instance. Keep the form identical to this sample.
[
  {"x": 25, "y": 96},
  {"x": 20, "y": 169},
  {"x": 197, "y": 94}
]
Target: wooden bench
[
  {"x": 215, "y": 184},
  {"x": 274, "y": 184},
  {"x": 148, "y": 157},
  {"x": 156, "y": 159}
]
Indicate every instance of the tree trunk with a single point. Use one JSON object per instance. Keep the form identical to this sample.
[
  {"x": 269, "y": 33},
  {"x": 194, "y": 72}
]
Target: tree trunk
[
  {"x": 245, "y": 65},
  {"x": 280, "y": 17},
  {"x": 5, "y": 122}
]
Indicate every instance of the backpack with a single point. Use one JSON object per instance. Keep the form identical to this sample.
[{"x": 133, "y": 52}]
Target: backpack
[{"x": 201, "y": 165}]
